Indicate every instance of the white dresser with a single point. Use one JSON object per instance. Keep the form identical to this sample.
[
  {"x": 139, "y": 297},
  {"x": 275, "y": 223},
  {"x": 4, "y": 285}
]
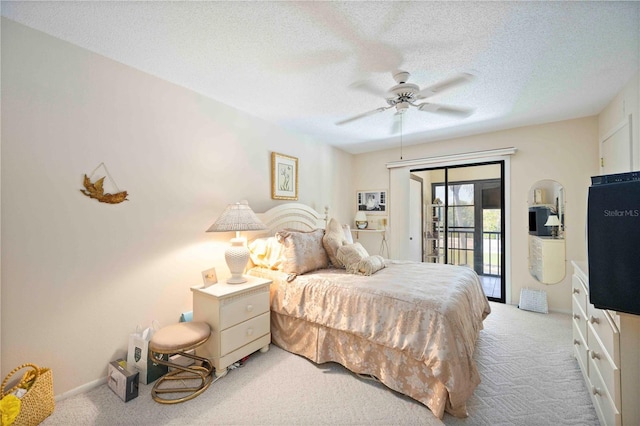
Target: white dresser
[
  {"x": 239, "y": 317},
  {"x": 607, "y": 346},
  {"x": 546, "y": 259}
]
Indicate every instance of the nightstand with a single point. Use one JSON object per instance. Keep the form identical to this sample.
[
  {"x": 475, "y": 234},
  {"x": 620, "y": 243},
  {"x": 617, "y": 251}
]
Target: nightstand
[{"x": 239, "y": 317}]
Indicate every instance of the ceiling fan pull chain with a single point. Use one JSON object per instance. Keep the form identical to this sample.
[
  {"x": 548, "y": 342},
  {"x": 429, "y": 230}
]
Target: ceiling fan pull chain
[{"x": 401, "y": 121}]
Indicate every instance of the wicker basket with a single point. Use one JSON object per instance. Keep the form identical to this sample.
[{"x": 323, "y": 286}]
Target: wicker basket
[{"x": 38, "y": 403}]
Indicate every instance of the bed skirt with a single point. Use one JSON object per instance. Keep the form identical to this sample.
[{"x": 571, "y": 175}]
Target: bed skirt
[{"x": 395, "y": 369}]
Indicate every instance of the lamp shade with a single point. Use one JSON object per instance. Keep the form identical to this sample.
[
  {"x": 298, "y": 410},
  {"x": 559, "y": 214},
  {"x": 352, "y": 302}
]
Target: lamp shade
[
  {"x": 552, "y": 220},
  {"x": 361, "y": 220},
  {"x": 237, "y": 217}
]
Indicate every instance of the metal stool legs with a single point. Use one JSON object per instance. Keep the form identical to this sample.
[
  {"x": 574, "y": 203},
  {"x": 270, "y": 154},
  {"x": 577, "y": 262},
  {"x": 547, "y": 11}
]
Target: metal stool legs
[{"x": 202, "y": 374}]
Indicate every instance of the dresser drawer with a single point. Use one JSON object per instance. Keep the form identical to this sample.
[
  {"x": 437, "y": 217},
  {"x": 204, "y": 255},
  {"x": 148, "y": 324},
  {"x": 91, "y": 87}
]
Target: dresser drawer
[
  {"x": 603, "y": 326},
  {"x": 580, "y": 349},
  {"x": 243, "y": 333},
  {"x": 609, "y": 372},
  {"x": 579, "y": 292},
  {"x": 604, "y": 405},
  {"x": 242, "y": 308},
  {"x": 579, "y": 317}
]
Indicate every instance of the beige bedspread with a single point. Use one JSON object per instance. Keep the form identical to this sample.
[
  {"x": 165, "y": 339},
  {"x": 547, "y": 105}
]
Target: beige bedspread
[{"x": 430, "y": 313}]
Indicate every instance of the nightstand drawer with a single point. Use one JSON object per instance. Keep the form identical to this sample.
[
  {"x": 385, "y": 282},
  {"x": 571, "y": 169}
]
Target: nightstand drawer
[
  {"x": 243, "y": 333},
  {"x": 603, "y": 326},
  {"x": 242, "y": 308}
]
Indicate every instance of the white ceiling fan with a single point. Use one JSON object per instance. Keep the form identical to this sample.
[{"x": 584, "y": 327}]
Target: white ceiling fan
[{"x": 404, "y": 95}]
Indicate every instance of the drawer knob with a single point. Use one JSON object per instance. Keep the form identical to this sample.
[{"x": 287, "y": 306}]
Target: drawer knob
[
  {"x": 576, "y": 316},
  {"x": 576, "y": 342},
  {"x": 594, "y": 320},
  {"x": 595, "y": 355},
  {"x": 595, "y": 391},
  {"x": 249, "y": 308},
  {"x": 250, "y": 332},
  {"x": 576, "y": 291}
]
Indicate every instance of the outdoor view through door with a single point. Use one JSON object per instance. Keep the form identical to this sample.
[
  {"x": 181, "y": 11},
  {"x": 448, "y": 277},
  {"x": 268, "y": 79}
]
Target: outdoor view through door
[{"x": 464, "y": 221}]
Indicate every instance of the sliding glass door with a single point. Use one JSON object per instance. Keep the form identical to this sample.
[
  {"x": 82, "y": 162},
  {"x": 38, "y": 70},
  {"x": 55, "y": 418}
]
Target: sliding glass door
[{"x": 464, "y": 220}]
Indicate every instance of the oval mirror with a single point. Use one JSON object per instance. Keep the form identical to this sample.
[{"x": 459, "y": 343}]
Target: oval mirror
[{"x": 546, "y": 231}]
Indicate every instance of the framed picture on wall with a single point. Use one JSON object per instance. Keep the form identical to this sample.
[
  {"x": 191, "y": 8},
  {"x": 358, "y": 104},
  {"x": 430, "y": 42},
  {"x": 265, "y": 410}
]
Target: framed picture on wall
[
  {"x": 284, "y": 177},
  {"x": 372, "y": 201}
]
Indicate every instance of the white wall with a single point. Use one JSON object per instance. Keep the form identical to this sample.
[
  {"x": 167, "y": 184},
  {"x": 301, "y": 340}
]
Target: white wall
[
  {"x": 565, "y": 151},
  {"x": 79, "y": 275}
]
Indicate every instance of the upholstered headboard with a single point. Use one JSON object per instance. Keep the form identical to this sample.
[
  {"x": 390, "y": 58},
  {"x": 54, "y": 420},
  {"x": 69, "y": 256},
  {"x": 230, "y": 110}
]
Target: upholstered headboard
[{"x": 294, "y": 216}]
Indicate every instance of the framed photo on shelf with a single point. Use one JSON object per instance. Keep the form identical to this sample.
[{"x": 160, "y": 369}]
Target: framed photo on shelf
[
  {"x": 372, "y": 201},
  {"x": 284, "y": 177}
]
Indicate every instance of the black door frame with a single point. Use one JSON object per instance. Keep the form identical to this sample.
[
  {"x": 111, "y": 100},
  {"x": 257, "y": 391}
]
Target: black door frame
[{"x": 446, "y": 169}]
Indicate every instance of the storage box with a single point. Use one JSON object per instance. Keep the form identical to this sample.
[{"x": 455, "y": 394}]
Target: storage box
[{"x": 121, "y": 381}]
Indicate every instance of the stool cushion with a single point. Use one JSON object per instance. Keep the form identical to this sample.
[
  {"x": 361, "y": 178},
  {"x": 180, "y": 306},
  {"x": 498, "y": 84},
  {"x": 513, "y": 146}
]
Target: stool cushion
[{"x": 179, "y": 336}]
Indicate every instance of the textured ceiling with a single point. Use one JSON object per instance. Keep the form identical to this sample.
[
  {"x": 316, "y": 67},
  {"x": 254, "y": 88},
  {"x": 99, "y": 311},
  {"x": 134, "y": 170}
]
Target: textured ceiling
[{"x": 293, "y": 63}]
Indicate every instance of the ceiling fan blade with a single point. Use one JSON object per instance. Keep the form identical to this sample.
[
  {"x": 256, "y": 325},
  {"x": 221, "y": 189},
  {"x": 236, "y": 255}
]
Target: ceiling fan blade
[
  {"x": 445, "y": 85},
  {"x": 359, "y": 116},
  {"x": 444, "y": 109},
  {"x": 308, "y": 61},
  {"x": 366, "y": 86}
]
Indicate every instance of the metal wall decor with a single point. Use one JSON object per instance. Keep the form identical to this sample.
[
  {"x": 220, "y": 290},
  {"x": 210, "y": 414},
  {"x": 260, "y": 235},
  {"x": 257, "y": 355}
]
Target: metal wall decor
[{"x": 96, "y": 189}]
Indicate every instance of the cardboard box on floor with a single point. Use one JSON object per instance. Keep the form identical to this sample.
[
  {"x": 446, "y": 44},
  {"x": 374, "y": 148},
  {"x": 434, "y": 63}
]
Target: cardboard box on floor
[{"x": 123, "y": 382}]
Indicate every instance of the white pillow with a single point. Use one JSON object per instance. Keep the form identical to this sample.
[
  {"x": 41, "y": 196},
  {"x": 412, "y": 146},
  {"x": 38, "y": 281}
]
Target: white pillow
[
  {"x": 350, "y": 255},
  {"x": 370, "y": 265},
  {"x": 333, "y": 239},
  {"x": 266, "y": 253},
  {"x": 347, "y": 233}
]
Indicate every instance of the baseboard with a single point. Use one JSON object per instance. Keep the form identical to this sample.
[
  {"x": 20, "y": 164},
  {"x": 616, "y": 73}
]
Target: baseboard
[{"x": 81, "y": 389}]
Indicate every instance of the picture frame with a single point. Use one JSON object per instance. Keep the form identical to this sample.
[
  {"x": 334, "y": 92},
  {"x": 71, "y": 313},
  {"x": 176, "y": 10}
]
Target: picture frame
[
  {"x": 209, "y": 277},
  {"x": 284, "y": 177},
  {"x": 372, "y": 201}
]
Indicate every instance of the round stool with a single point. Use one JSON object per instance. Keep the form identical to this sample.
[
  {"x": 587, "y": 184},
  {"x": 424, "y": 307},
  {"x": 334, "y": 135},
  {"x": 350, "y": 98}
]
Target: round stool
[{"x": 178, "y": 339}]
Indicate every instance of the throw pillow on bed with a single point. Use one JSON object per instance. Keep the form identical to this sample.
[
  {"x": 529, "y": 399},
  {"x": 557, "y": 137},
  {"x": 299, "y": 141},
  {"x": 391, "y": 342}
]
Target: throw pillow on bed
[
  {"x": 334, "y": 239},
  {"x": 350, "y": 255},
  {"x": 303, "y": 251},
  {"x": 370, "y": 265}
]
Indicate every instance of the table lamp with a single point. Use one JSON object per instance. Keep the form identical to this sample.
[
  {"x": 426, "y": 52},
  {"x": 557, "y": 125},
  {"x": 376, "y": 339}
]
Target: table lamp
[
  {"x": 237, "y": 217},
  {"x": 361, "y": 220},
  {"x": 554, "y": 222}
]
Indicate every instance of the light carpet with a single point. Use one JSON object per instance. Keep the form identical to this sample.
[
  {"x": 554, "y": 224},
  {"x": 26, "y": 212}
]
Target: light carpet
[{"x": 529, "y": 377}]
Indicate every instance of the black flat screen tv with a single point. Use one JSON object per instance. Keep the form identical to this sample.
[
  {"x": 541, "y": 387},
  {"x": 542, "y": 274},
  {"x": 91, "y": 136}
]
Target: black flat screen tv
[
  {"x": 538, "y": 216},
  {"x": 613, "y": 240}
]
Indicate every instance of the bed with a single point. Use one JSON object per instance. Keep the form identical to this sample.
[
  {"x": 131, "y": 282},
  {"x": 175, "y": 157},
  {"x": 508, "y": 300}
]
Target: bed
[{"x": 413, "y": 326}]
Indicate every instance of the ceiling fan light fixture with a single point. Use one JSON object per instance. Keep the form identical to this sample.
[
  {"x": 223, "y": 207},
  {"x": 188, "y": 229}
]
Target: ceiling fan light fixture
[{"x": 401, "y": 107}]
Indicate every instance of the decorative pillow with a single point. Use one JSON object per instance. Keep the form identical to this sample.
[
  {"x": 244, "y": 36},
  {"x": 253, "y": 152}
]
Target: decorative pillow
[
  {"x": 266, "y": 253},
  {"x": 333, "y": 239},
  {"x": 347, "y": 234},
  {"x": 350, "y": 255},
  {"x": 303, "y": 251},
  {"x": 370, "y": 265}
]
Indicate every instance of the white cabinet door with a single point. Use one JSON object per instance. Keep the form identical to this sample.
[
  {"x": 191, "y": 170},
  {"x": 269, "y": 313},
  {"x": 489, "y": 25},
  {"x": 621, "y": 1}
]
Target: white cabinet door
[{"x": 615, "y": 150}]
